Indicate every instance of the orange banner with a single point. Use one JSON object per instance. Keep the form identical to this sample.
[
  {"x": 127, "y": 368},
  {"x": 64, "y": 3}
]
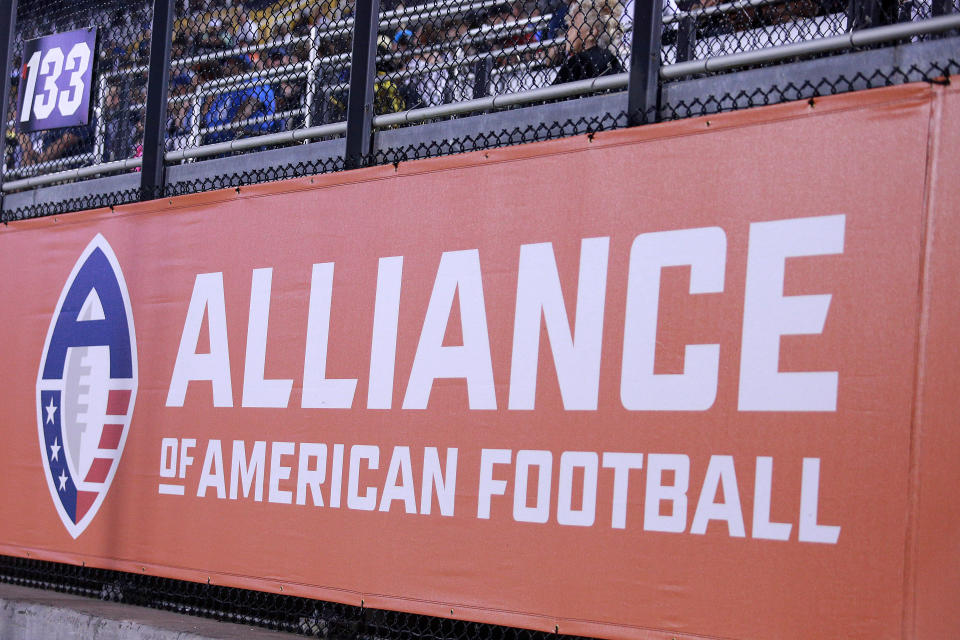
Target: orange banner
[{"x": 680, "y": 380}]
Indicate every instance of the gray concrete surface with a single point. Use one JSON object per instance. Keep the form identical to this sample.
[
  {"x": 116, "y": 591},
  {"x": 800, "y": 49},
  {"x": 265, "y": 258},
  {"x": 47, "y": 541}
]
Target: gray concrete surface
[{"x": 35, "y": 614}]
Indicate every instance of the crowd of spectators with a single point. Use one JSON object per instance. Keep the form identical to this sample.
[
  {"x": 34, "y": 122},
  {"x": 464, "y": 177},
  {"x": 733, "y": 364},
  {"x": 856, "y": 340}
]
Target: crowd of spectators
[{"x": 259, "y": 66}]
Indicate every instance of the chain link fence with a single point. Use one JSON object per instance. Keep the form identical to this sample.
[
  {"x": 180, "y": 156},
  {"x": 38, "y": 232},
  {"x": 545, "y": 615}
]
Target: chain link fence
[
  {"x": 115, "y": 131},
  {"x": 311, "y": 618},
  {"x": 240, "y": 71},
  {"x": 444, "y": 53},
  {"x": 247, "y": 76},
  {"x": 698, "y": 29}
]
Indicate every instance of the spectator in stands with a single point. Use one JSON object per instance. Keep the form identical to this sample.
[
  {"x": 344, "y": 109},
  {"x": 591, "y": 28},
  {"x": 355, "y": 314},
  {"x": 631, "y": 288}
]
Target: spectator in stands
[
  {"x": 214, "y": 37},
  {"x": 54, "y": 144},
  {"x": 180, "y": 48},
  {"x": 247, "y": 31},
  {"x": 516, "y": 29},
  {"x": 308, "y": 17},
  {"x": 244, "y": 102},
  {"x": 289, "y": 93},
  {"x": 592, "y": 29},
  {"x": 180, "y": 111},
  {"x": 119, "y": 123},
  {"x": 386, "y": 94},
  {"x": 10, "y": 150},
  {"x": 403, "y": 48},
  {"x": 426, "y": 81},
  {"x": 558, "y": 14}
]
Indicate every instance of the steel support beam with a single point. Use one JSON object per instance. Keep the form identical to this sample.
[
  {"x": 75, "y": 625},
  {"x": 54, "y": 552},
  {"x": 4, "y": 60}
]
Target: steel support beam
[
  {"x": 643, "y": 88},
  {"x": 155, "y": 118},
  {"x": 363, "y": 70},
  {"x": 8, "y": 29}
]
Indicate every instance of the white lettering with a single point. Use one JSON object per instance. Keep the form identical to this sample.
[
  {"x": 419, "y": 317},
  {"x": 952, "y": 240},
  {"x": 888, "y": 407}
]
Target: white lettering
[
  {"x": 657, "y": 492},
  {"x": 386, "y": 319},
  {"x": 279, "y": 472},
  {"x": 185, "y": 459},
  {"x": 368, "y": 501},
  {"x": 212, "y": 474},
  {"x": 720, "y": 474},
  {"x": 577, "y": 359},
  {"x": 809, "y": 530},
  {"x": 585, "y": 515},
  {"x": 434, "y": 481},
  {"x": 399, "y": 470},
  {"x": 621, "y": 463},
  {"x": 311, "y": 478},
  {"x": 705, "y": 250},
  {"x": 248, "y": 473},
  {"x": 168, "y": 457},
  {"x": 540, "y": 511},
  {"x": 336, "y": 476},
  {"x": 207, "y": 299},
  {"x": 258, "y": 391},
  {"x": 318, "y": 391},
  {"x": 768, "y": 314},
  {"x": 488, "y": 486},
  {"x": 763, "y": 488},
  {"x": 459, "y": 271}
]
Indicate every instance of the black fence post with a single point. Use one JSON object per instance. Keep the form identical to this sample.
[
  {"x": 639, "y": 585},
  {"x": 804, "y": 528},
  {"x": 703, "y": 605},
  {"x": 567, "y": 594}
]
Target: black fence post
[
  {"x": 643, "y": 90},
  {"x": 363, "y": 70},
  {"x": 482, "y": 73},
  {"x": 155, "y": 119},
  {"x": 8, "y": 17},
  {"x": 864, "y": 14},
  {"x": 686, "y": 38}
]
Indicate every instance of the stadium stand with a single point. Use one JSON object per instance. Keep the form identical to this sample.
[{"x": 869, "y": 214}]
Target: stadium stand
[{"x": 240, "y": 71}]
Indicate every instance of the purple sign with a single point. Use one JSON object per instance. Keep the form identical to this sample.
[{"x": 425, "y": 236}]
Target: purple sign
[{"x": 55, "y": 80}]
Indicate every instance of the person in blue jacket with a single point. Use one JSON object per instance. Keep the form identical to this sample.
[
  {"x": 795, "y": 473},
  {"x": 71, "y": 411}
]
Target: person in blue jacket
[{"x": 246, "y": 100}]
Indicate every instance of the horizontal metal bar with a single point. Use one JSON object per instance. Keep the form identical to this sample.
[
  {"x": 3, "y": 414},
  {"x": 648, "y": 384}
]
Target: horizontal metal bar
[
  {"x": 301, "y": 69},
  {"x": 603, "y": 83},
  {"x": 274, "y": 73},
  {"x": 214, "y": 55},
  {"x": 469, "y": 61},
  {"x": 268, "y": 140},
  {"x": 239, "y": 124},
  {"x": 49, "y": 164},
  {"x": 485, "y": 33},
  {"x": 339, "y": 27},
  {"x": 73, "y": 174},
  {"x": 433, "y": 10},
  {"x": 726, "y": 7},
  {"x": 517, "y": 25},
  {"x": 850, "y": 40}
]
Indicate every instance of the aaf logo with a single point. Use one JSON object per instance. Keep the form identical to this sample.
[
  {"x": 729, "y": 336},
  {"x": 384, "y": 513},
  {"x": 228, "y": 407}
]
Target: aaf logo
[{"x": 87, "y": 386}]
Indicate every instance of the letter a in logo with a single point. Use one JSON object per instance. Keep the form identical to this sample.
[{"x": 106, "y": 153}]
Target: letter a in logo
[{"x": 87, "y": 386}]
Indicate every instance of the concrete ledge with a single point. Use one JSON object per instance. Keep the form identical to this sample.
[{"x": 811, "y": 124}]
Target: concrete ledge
[{"x": 36, "y": 614}]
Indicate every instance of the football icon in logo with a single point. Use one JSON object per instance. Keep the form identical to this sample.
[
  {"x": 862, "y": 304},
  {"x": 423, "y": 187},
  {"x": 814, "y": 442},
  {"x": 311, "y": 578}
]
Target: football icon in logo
[{"x": 87, "y": 386}]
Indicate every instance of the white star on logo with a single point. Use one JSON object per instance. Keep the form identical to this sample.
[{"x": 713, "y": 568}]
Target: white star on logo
[
  {"x": 63, "y": 481},
  {"x": 55, "y": 448},
  {"x": 51, "y": 409}
]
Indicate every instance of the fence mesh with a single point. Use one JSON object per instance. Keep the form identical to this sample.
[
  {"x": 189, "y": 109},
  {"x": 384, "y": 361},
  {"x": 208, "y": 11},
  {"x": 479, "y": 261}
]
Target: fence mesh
[
  {"x": 116, "y": 128},
  {"x": 291, "y": 614},
  {"x": 246, "y": 70},
  {"x": 440, "y": 53},
  {"x": 697, "y": 29},
  {"x": 240, "y": 70}
]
